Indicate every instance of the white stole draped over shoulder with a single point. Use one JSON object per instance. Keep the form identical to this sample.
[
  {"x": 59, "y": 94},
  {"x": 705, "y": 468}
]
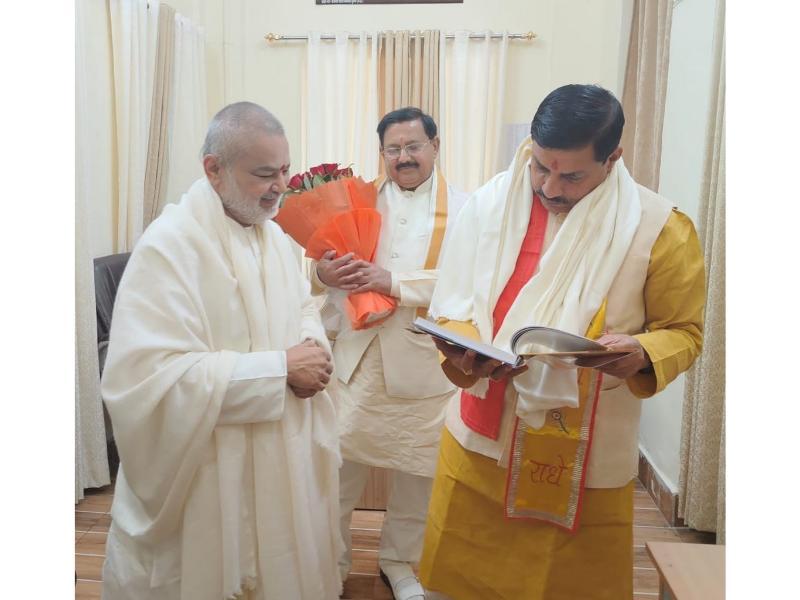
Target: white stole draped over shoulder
[
  {"x": 233, "y": 507},
  {"x": 573, "y": 278}
]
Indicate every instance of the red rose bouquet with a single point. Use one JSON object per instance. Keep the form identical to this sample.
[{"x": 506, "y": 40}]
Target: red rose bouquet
[
  {"x": 326, "y": 208},
  {"x": 316, "y": 176}
]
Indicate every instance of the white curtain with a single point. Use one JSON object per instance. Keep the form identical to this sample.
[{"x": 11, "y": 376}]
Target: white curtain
[
  {"x": 188, "y": 116},
  {"x": 472, "y": 96},
  {"x": 91, "y": 461},
  {"x": 409, "y": 71},
  {"x": 134, "y": 28},
  {"x": 340, "y": 103},
  {"x": 645, "y": 93},
  {"x": 155, "y": 173},
  {"x": 702, "y": 476}
]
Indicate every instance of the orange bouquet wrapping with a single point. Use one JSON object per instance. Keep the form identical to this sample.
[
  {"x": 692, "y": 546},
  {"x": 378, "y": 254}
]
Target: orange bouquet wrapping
[{"x": 327, "y": 208}]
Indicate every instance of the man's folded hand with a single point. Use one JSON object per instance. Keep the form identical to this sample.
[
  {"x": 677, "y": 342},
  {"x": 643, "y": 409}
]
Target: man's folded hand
[
  {"x": 308, "y": 367},
  {"x": 341, "y": 273},
  {"x": 372, "y": 278}
]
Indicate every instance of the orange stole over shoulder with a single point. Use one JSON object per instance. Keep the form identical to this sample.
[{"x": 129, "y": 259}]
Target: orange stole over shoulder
[{"x": 484, "y": 415}]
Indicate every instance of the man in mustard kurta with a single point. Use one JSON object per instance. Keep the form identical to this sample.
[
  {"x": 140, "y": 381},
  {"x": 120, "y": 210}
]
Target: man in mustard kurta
[{"x": 533, "y": 495}]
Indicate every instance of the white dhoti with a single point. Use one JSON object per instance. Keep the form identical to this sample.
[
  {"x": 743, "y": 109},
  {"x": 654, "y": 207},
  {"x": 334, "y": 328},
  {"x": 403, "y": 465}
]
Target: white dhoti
[
  {"x": 382, "y": 430},
  {"x": 398, "y": 434},
  {"x": 404, "y": 523}
]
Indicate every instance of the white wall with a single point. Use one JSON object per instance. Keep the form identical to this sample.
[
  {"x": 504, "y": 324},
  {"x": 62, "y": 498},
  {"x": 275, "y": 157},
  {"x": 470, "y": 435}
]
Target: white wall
[{"x": 682, "y": 159}]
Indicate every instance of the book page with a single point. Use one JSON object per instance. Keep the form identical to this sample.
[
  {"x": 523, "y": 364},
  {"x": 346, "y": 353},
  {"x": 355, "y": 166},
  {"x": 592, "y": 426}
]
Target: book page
[
  {"x": 560, "y": 348},
  {"x": 480, "y": 348}
]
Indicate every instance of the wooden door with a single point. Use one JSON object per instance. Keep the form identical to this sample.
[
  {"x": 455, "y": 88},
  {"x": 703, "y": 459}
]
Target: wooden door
[{"x": 376, "y": 492}]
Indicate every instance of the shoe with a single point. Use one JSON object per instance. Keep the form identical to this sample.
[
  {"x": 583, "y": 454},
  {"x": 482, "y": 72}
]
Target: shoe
[{"x": 407, "y": 588}]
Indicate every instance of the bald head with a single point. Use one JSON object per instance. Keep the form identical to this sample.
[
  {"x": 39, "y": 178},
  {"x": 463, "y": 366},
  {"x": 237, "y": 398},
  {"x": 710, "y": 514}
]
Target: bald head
[
  {"x": 246, "y": 161},
  {"x": 233, "y": 127}
]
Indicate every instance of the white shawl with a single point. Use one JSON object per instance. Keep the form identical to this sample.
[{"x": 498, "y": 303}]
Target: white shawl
[
  {"x": 218, "y": 505},
  {"x": 574, "y": 275}
]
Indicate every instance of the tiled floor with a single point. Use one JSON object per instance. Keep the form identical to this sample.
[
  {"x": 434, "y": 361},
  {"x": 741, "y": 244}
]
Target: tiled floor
[{"x": 92, "y": 520}]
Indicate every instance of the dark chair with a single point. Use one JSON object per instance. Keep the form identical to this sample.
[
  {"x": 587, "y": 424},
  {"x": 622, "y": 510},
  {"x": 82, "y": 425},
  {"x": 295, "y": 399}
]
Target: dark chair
[{"x": 107, "y": 274}]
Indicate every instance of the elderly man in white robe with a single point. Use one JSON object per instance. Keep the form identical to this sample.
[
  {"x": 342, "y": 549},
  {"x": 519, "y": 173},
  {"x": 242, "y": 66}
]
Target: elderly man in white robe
[
  {"x": 215, "y": 377},
  {"x": 392, "y": 393}
]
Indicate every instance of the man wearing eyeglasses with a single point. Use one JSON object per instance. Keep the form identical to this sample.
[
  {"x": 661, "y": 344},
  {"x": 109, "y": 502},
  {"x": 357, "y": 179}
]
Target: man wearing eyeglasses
[{"x": 393, "y": 395}]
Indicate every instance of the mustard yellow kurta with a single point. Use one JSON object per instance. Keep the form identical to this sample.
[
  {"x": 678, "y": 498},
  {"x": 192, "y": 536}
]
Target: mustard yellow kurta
[{"x": 472, "y": 551}]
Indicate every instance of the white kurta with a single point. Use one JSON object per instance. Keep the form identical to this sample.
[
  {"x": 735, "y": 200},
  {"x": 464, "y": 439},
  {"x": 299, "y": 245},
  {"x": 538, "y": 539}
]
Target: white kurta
[
  {"x": 391, "y": 393},
  {"x": 228, "y": 482}
]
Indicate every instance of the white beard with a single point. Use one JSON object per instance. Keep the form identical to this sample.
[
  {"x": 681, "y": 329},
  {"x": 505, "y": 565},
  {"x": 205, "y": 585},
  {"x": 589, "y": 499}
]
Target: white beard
[{"x": 245, "y": 210}]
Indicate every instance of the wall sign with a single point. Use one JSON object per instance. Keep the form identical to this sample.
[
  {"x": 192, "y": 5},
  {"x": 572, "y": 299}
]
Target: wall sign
[{"x": 390, "y": 1}]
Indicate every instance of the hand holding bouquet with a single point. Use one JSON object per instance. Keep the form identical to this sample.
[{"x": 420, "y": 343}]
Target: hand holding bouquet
[{"x": 325, "y": 209}]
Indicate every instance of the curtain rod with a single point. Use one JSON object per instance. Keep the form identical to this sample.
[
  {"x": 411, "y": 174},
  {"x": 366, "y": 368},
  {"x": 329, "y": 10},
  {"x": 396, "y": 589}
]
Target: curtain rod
[{"x": 274, "y": 37}]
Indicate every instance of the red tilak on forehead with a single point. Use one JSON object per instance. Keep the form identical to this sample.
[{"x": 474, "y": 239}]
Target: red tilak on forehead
[{"x": 554, "y": 166}]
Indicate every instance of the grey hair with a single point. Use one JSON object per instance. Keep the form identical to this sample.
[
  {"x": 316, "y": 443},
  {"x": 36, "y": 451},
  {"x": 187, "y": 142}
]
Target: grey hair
[{"x": 226, "y": 129}]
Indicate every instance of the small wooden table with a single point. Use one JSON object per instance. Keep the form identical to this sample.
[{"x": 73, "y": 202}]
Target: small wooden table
[{"x": 689, "y": 571}]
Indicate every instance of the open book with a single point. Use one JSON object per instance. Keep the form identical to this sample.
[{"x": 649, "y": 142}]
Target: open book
[{"x": 553, "y": 346}]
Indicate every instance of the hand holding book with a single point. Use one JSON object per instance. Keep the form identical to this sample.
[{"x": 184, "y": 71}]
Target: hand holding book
[
  {"x": 632, "y": 362},
  {"x": 618, "y": 354},
  {"x": 477, "y": 365}
]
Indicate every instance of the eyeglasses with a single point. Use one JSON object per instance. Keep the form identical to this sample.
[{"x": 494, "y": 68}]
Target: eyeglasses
[{"x": 394, "y": 152}]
